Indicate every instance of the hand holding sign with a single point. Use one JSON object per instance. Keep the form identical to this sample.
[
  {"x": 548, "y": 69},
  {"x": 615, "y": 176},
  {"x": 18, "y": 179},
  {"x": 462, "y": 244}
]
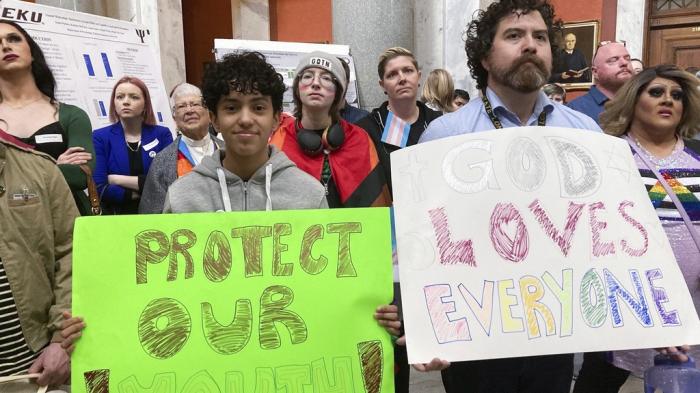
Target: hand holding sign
[
  {"x": 279, "y": 299},
  {"x": 532, "y": 241}
]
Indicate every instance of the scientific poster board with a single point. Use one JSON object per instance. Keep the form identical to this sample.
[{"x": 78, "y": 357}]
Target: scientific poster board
[
  {"x": 285, "y": 56},
  {"x": 238, "y": 302},
  {"x": 532, "y": 241},
  {"x": 88, "y": 54}
]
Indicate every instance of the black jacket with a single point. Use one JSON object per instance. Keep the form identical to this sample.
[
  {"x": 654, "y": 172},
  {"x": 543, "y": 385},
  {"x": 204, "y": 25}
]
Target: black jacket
[{"x": 374, "y": 125}]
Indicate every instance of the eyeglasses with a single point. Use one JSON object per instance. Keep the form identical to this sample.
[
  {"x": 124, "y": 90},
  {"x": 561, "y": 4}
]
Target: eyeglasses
[
  {"x": 613, "y": 60},
  {"x": 184, "y": 105},
  {"x": 603, "y": 43},
  {"x": 325, "y": 79}
]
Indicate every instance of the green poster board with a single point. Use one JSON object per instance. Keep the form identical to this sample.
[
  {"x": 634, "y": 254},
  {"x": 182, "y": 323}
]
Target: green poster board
[{"x": 258, "y": 302}]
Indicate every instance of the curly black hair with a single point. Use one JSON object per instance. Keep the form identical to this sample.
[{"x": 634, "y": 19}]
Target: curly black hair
[
  {"x": 43, "y": 77},
  {"x": 482, "y": 29},
  {"x": 244, "y": 72}
]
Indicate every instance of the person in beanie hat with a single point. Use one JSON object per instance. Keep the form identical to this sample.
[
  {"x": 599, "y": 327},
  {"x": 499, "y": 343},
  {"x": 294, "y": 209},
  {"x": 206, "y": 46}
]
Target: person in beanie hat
[
  {"x": 324, "y": 61},
  {"x": 338, "y": 154}
]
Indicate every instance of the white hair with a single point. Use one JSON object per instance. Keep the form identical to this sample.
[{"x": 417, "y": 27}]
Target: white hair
[{"x": 184, "y": 89}]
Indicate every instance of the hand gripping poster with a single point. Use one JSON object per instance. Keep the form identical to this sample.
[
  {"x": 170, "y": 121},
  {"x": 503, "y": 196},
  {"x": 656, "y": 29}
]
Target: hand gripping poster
[
  {"x": 532, "y": 241},
  {"x": 279, "y": 301}
]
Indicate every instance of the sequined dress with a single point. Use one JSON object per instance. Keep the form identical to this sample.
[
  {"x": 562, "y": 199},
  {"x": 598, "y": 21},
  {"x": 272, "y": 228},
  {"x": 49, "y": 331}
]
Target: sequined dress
[{"x": 682, "y": 172}]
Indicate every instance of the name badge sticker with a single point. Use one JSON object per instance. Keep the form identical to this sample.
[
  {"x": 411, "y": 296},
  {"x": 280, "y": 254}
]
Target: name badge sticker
[
  {"x": 151, "y": 145},
  {"x": 48, "y": 138}
]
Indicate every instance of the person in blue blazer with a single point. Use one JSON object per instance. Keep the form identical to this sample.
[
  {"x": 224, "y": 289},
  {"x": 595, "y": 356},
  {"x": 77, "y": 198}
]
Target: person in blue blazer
[{"x": 124, "y": 150}]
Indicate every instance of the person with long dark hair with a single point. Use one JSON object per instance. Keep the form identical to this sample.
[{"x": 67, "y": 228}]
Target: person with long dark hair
[
  {"x": 30, "y": 112},
  {"x": 126, "y": 148}
]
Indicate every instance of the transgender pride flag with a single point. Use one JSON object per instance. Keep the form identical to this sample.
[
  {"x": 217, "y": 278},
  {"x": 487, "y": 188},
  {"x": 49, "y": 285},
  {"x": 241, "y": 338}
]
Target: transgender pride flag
[{"x": 395, "y": 131}]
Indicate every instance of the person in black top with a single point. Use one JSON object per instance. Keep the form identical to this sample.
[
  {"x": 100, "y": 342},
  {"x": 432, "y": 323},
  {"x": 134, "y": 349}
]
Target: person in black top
[{"x": 398, "y": 76}]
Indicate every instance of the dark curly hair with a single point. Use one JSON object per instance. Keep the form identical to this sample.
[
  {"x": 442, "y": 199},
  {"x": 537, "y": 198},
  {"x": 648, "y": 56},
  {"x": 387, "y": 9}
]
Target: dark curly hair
[
  {"x": 43, "y": 77},
  {"x": 244, "y": 72},
  {"x": 482, "y": 29}
]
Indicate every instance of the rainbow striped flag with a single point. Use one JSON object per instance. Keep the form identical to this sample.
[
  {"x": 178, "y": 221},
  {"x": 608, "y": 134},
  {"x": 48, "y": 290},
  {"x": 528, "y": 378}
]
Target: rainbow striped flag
[{"x": 395, "y": 131}]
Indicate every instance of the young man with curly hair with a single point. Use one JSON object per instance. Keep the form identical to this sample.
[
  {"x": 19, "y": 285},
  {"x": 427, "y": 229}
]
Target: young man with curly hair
[
  {"x": 244, "y": 96},
  {"x": 510, "y": 57}
]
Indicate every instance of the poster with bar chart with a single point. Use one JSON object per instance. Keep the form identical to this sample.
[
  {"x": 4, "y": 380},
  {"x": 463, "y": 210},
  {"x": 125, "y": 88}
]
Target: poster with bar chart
[{"x": 88, "y": 54}]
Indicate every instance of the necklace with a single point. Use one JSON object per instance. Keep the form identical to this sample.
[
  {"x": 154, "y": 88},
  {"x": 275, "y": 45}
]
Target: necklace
[
  {"x": 138, "y": 145},
  {"x": 23, "y": 106},
  {"x": 666, "y": 162}
]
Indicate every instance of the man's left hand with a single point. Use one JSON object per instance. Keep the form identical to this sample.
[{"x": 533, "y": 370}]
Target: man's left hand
[{"x": 54, "y": 365}]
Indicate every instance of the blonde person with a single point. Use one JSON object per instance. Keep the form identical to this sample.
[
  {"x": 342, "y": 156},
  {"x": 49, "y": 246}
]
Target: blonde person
[
  {"x": 438, "y": 91},
  {"x": 399, "y": 77}
]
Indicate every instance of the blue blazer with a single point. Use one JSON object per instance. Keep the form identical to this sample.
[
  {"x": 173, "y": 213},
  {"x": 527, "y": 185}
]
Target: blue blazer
[{"x": 112, "y": 158}]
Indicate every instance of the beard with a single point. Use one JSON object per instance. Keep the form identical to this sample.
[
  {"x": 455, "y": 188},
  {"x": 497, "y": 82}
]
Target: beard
[{"x": 527, "y": 74}]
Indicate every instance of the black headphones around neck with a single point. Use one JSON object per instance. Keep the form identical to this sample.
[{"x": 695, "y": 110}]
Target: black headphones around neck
[{"x": 313, "y": 144}]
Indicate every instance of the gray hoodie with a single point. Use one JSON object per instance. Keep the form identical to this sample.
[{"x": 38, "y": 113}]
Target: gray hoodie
[{"x": 278, "y": 185}]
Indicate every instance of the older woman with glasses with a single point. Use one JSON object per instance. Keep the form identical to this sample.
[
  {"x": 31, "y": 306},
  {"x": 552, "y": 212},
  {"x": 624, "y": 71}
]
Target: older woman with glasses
[
  {"x": 194, "y": 143},
  {"x": 657, "y": 112}
]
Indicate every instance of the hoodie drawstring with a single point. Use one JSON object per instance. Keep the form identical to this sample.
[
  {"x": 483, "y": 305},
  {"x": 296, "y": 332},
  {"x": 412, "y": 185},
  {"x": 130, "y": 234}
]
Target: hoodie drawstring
[
  {"x": 224, "y": 189},
  {"x": 268, "y": 179}
]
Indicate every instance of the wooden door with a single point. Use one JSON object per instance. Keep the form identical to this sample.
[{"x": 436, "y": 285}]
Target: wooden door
[
  {"x": 673, "y": 35},
  {"x": 301, "y": 21},
  {"x": 202, "y": 21}
]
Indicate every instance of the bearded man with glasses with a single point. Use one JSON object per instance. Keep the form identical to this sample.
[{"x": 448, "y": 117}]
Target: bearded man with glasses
[{"x": 193, "y": 143}]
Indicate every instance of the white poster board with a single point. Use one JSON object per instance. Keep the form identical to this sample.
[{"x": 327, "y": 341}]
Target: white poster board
[
  {"x": 88, "y": 54},
  {"x": 532, "y": 241},
  {"x": 285, "y": 56}
]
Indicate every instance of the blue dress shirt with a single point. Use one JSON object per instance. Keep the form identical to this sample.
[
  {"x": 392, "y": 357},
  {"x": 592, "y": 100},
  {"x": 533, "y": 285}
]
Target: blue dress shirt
[
  {"x": 591, "y": 103},
  {"x": 473, "y": 118}
]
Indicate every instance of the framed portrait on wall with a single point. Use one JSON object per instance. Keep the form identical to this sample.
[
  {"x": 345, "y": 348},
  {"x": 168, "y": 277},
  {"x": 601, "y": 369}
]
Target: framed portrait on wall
[{"x": 573, "y": 54}]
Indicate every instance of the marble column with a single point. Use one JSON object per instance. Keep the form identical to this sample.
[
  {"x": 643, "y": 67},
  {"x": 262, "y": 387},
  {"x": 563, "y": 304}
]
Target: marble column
[
  {"x": 429, "y": 27},
  {"x": 439, "y": 41},
  {"x": 630, "y": 25},
  {"x": 171, "y": 42},
  {"x": 251, "y": 19},
  {"x": 370, "y": 28},
  {"x": 460, "y": 14},
  {"x": 164, "y": 20}
]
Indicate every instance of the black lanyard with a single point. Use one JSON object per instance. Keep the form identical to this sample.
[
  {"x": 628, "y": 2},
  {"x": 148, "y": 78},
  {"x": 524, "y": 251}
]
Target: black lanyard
[{"x": 541, "y": 119}]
